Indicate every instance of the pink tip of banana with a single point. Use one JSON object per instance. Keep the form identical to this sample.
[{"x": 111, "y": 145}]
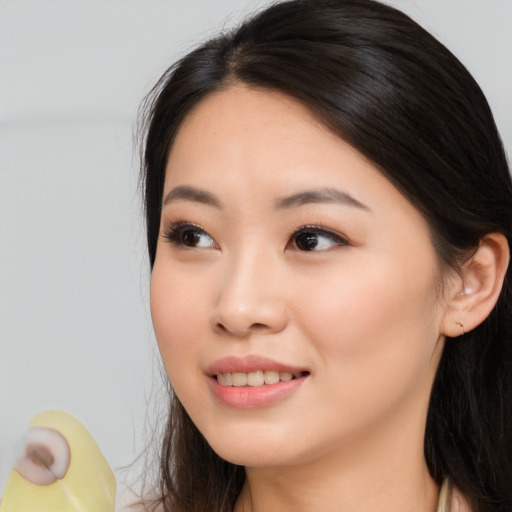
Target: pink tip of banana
[{"x": 46, "y": 458}]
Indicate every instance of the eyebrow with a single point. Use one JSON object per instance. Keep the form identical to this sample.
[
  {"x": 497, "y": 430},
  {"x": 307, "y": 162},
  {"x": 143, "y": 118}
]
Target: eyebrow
[
  {"x": 192, "y": 194},
  {"x": 322, "y": 195}
]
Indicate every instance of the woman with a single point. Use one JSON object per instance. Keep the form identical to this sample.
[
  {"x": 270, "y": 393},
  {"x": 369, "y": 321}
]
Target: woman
[{"x": 328, "y": 210}]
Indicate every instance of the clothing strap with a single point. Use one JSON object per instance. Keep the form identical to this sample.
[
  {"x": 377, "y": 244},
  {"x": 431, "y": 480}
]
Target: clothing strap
[{"x": 445, "y": 496}]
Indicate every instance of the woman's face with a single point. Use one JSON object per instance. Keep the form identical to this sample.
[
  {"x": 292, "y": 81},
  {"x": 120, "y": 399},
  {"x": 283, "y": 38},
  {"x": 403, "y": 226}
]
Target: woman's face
[{"x": 284, "y": 252}]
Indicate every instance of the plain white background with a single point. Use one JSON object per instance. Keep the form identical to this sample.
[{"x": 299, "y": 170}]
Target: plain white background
[{"x": 75, "y": 329}]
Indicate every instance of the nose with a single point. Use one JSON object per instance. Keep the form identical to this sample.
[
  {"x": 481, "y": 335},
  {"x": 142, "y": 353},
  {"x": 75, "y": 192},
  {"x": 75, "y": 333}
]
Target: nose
[{"x": 250, "y": 298}]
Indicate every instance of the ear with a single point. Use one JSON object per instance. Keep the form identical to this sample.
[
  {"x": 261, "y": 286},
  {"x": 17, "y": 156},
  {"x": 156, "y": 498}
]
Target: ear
[{"x": 472, "y": 294}]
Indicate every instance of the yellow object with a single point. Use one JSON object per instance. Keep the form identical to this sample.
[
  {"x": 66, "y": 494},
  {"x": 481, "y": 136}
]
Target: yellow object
[{"x": 88, "y": 485}]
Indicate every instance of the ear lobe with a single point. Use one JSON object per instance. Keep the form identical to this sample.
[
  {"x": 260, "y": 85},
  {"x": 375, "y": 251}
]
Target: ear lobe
[{"x": 474, "y": 294}]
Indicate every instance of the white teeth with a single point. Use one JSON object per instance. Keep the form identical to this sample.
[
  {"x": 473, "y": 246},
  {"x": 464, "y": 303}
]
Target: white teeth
[
  {"x": 239, "y": 379},
  {"x": 224, "y": 379},
  {"x": 271, "y": 377},
  {"x": 254, "y": 379}
]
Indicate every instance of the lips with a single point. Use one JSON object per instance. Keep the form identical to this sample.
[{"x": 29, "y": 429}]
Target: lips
[
  {"x": 250, "y": 364},
  {"x": 253, "y": 381}
]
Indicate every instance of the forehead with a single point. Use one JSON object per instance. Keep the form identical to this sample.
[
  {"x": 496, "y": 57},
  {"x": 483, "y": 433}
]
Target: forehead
[
  {"x": 230, "y": 114},
  {"x": 244, "y": 98},
  {"x": 261, "y": 134}
]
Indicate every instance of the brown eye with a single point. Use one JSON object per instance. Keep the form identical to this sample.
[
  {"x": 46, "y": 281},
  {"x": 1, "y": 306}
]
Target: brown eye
[
  {"x": 306, "y": 241},
  {"x": 188, "y": 235},
  {"x": 316, "y": 239},
  {"x": 190, "y": 238}
]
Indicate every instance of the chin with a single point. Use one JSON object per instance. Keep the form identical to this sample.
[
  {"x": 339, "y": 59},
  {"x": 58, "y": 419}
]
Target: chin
[
  {"x": 257, "y": 450},
  {"x": 245, "y": 453},
  {"x": 258, "y": 457}
]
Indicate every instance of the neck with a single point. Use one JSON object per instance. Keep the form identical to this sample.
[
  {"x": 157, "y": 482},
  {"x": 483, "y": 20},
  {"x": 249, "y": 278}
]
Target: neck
[
  {"x": 378, "y": 473},
  {"x": 294, "y": 491}
]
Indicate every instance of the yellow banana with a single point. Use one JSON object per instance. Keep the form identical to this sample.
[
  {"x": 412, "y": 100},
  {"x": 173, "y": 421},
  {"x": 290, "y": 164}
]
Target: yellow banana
[{"x": 62, "y": 470}]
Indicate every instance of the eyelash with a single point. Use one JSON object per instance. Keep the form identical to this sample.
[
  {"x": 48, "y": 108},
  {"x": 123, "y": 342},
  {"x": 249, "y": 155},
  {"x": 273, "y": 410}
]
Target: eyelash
[
  {"x": 174, "y": 233},
  {"x": 317, "y": 231}
]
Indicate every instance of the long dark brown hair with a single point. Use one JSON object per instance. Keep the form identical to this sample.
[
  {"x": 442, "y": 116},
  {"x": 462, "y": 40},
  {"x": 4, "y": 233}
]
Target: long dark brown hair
[{"x": 397, "y": 95}]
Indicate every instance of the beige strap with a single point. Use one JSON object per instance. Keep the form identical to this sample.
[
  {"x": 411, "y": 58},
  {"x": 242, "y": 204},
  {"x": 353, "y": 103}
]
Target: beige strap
[{"x": 445, "y": 496}]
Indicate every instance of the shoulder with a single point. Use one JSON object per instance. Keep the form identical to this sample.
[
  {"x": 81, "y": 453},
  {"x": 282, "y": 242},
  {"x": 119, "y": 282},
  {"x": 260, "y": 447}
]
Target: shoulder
[
  {"x": 458, "y": 502},
  {"x": 129, "y": 501}
]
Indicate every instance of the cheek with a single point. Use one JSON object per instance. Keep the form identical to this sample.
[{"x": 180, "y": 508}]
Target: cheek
[
  {"x": 374, "y": 330},
  {"x": 362, "y": 300},
  {"x": 178, "y": 319}
]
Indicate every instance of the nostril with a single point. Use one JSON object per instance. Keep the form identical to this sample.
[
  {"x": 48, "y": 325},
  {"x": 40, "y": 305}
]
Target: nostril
[
  {"x": 239, "y": 331},
  {"x": 221, "y": 327},
  {"x": 258, "y": 327}
]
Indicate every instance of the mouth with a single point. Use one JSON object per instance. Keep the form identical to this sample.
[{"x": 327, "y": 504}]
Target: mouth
[
  {"x": 252, "y": 382},
  {"x": 253, "y": 371},
  {"x": 257, "y": 378}
]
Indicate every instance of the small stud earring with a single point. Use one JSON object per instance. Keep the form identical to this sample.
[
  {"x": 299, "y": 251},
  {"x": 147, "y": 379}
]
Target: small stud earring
[{"x": 460, "y": 324}]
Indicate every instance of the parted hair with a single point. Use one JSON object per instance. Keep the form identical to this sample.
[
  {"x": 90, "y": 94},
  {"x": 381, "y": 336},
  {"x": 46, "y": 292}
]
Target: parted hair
[{"x": 387, "y": 87}]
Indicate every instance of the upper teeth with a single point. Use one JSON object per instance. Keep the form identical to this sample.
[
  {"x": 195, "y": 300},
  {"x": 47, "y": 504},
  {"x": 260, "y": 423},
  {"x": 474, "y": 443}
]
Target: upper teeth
[{"x": 258, "y": 378}]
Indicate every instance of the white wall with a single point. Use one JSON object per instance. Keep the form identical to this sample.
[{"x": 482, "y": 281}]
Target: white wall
[{"x": 75, "y": 329}]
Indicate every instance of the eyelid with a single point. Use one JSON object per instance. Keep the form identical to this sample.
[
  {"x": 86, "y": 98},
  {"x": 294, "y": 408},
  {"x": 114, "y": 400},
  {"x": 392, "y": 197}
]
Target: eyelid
[
  {"x": 174, "y": 229},
  {"x": 317, "y": 228},
  {"x": 338, "y": 238}
]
